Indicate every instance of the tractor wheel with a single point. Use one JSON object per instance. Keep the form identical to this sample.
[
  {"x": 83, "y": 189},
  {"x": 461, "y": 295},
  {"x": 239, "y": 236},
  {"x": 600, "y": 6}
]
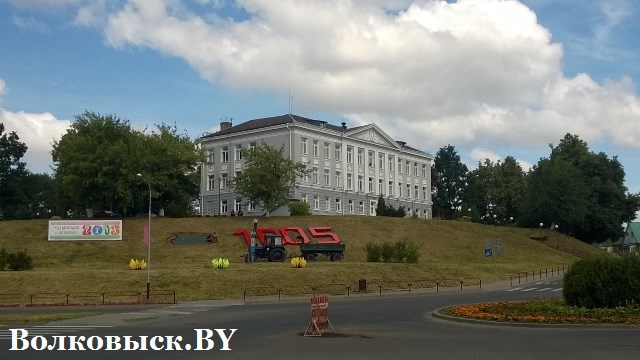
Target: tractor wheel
[
  {"x": 336, "y": 257},
  {"x": 310, "y": 257},
  {"x": 277, "y": 255}
]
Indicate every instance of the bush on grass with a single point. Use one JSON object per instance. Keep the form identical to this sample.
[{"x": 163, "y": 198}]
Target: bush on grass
[{"x": 603, "y": 282}]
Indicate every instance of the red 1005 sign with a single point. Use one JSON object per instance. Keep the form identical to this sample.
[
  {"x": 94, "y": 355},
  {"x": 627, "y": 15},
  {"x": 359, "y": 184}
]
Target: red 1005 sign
[{"x": 285, "y": 232}]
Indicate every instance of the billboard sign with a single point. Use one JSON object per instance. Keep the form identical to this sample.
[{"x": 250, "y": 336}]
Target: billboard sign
[{"x": 85, "y": 230}]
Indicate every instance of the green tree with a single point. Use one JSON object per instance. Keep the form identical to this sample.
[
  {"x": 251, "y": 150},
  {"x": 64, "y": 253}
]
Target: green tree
[
  {"x": 268, "y": 176},
  {"x": 12, "y": 173},
  {"x": 382, "y": 209},
  {"x": 555, "y": 194},
  {"x": 170, "y": 165},
  {"x": 494, "y": 191},
  {"x": 100, "y": 155},
  {"x": 448, "y": 181},
  {"x": 97, "y": 161},
  {"x": 608, "y": 201},
  {"x": 580, "y": 190}
]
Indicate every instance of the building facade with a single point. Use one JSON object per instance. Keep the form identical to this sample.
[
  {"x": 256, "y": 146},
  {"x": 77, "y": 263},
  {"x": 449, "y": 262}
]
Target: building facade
[{"x": 349, "y": 167}]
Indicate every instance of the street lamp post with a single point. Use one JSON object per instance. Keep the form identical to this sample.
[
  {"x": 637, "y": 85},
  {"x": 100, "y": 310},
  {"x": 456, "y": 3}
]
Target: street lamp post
[
  {"x": 541, "y": 225},
  {"x": 148, "y": 241},
  {"x": 556, "y": 234}
]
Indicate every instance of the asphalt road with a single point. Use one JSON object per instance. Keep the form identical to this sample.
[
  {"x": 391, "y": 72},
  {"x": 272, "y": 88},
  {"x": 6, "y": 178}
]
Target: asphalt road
[{"x": 366, "y": 326}]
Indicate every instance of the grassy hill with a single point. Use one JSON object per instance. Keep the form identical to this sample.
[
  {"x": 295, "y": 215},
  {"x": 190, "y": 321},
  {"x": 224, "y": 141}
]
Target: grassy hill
[{"x": 449, "y": 249}]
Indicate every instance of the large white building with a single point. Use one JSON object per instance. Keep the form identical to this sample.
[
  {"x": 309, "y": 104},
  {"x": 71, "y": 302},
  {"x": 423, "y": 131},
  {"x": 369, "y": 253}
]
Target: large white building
[{"x": 350, "y": 168}]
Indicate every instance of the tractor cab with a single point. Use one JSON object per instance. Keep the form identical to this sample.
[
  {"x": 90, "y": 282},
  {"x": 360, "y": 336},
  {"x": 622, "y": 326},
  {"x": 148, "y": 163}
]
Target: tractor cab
[{"x": 273, "y": 249}]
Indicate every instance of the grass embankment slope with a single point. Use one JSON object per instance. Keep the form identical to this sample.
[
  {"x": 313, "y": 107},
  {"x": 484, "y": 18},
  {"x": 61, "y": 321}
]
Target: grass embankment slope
[{"x": 448, "y": 249}]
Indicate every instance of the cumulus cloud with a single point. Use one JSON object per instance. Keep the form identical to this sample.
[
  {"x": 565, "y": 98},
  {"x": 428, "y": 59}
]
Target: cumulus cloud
[
  {"x": 473, "y": 72},
  {"x": 37, "y": 131}
]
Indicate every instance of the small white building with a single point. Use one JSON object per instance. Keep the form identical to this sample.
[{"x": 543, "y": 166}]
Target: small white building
[{"x": 349, "y": 168}]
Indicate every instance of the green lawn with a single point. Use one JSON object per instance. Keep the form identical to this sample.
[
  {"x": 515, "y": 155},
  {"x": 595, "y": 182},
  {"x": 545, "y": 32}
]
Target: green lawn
[{"x": 448, "y": 249}]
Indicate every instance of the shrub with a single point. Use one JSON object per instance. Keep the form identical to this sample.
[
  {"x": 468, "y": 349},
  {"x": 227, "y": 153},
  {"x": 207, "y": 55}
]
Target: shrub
[
  {"x": 388, "y": 252},
  {"x": 19, "y": 261},
  {"x": 299, "y": 208},
  {"x": 373, "y": 252},
  {"x": 603, "y": 282},
  {"x": 400, "y": 252},
  {"x": 412, "y": 253},
  {"x": 3, "y": 259}
]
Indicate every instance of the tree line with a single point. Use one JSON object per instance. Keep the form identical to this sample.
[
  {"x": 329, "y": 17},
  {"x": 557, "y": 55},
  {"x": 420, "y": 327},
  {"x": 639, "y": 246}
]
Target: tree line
[
  {"x": 575, "y": 190},
  {"x": 97, "y": 161},
  {"x": 96, "y": 165}
]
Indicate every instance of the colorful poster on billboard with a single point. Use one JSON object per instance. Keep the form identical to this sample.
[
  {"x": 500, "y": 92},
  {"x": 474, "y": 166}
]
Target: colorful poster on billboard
[{"x": 85, "y": 230}]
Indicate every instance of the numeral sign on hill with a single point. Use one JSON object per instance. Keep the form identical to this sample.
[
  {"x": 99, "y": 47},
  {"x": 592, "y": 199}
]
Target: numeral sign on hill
[{"x": 315, "y": 231}]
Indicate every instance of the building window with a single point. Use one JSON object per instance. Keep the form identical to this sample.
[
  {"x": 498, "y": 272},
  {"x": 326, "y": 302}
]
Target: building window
[
  {"x": 327, "y": 204},
  {"x": 237, "y": 205},
  {"x": 349, "y": 181},
  {"x": 424, "y": 170},
  {"x": 351, "y": 206},
  {"x": 211, "y": 181},
  {"x": 391, "y": 163},
  {"x": 224, "y": 156},
  {"x": 360, "y": 183},
  {"x": 415, "y": 192},
  {"x": 314, "y": 175},
  {"x": 361, "y": 207},
  {"x": 224, "y": 181},
  {"x": 399, "y": 189},
  {"x": 338, "y": 205},
  {"x": 380, "y": 187},
  {"x": 303, "y": 146},
  {"x": 327, "y": 180},
  {"x": 252, "y": 145},
  {"x": 381, "y": 161},
  {"x": 238, "y": 154},
  {"x": 211, "y": 157},
  {"x": 303, "y": 198},
  {"x": 251, "y": 207},
  {"x": 238, "y": 173},
  {"x": 224, "y": 207},
  {"x": 370, "y": 184},
  {"x": 424, "y": 192},
  {"x": 399, "y": 166},
  {"x": 360, "y": 156},
  {"x": 326, "y": 150},
  {"x": 415, "y": 169},
  {"x": 371, "y": 160},
  {"x": 408, "y": 190},
  {"x": 337, "y": 154},
  {"x": 390, "y": 188},
  {"x": 406, "y": 167},
  {"x": 338, "y": 179},
  {"x": 315, "y": 148},
  {"x": 316, "y": 202},
  {"x": 350, "y": 154}
]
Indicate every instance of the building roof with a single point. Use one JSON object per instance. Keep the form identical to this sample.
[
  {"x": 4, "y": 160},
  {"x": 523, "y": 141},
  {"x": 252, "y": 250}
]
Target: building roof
[
  {"x": 271, "y": 121},
  {"x": 292, "y": 118},
  {"x": 632, "y": 233}
]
